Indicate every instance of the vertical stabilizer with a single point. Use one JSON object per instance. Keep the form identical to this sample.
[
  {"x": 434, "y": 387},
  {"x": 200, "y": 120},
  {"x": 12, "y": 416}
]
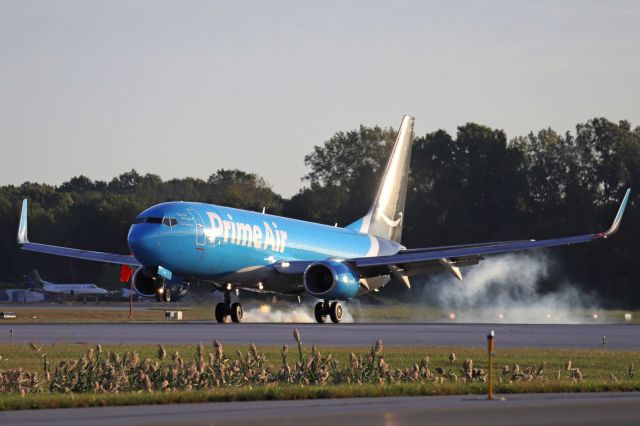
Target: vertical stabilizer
[
  {"x": 36, "y": 277},
  {"x": 385, "y": 217}
]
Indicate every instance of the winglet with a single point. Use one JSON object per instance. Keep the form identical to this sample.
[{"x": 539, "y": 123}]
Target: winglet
[
  {"x": 22, "y": 228},
  {"x": 616, "y": 222}
]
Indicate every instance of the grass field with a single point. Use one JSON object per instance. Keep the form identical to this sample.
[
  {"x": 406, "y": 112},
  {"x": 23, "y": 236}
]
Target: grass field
[{"x": 599, "y": 370}]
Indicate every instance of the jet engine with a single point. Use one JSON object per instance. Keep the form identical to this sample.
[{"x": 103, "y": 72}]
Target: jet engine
[
  {"x": 145, "y": 284},
  {"x": 331, "y": 279}
]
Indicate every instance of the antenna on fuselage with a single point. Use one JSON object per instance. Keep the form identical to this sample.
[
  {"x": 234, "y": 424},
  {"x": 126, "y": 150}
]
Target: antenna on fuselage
[{"x": 264, "y": 208}]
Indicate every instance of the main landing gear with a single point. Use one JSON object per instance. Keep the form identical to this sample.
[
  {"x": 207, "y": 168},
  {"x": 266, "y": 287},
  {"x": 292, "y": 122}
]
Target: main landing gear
[
  {"x": 326, "y": 309},
  {"x": 226, "y": 309}
]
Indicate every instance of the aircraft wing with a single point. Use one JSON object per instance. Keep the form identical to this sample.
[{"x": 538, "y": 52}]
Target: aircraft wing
[
  {"x": 96, "y": 256},
  {"x": 416, "y": 261},
  {"x": 472, "y": 253}
]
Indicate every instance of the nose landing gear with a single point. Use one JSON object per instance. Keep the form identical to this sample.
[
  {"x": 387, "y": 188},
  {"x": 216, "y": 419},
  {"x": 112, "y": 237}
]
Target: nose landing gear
[
  {"x": 325, "y": 309},
  {"x": 163, "y": 293},
  {"x": 226, "y": 309}
]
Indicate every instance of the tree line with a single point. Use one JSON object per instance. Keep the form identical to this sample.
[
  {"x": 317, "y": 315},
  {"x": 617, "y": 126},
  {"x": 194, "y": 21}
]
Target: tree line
[{"x": 474, "y": 186}]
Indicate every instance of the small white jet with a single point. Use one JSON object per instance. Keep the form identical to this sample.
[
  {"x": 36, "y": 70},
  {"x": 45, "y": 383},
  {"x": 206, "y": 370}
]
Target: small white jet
[{"x": 79, "y": 291}]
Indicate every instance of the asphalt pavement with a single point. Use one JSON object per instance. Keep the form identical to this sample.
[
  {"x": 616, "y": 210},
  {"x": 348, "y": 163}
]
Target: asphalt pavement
[
  {"x": 529, "y": 409},
  {"x": 618, "y": 336}
]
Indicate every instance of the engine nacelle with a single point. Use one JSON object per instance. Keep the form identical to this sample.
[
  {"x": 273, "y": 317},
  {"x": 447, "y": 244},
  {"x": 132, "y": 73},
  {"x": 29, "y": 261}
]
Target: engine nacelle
[
  {"x": 144, "y": 283},
  {"x": 331, "y": 279}
]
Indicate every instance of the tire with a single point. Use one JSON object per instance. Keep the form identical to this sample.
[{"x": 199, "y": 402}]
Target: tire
[
  {"x": 335, "y": 312},
  {"x": 166, "y": 295},
  {"x": 319, "y": 313},
  {"x": 221, "y": 312},
  {"x": 236, "y": 312}
]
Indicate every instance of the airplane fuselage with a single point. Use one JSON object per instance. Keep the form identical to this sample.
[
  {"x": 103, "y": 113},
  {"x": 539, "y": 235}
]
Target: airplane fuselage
[
  {"x": 74, "y": 289},
  {"x": 214, "y": 242}
]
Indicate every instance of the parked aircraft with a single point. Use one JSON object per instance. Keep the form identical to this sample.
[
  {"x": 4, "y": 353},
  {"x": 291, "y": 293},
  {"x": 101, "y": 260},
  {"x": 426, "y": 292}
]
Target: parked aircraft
[
  {"x": 78, "y": 291},
  {"x": 176, "y": 242}
]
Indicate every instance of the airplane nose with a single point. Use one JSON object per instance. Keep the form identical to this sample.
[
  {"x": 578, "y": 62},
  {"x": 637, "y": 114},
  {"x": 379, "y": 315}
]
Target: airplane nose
[{"x": 144, "y": 243}]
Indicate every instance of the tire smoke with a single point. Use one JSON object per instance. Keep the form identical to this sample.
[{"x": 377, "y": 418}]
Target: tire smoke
[
  {"x": 506, "y": 289},
  {"x": 297, "y": 314}
]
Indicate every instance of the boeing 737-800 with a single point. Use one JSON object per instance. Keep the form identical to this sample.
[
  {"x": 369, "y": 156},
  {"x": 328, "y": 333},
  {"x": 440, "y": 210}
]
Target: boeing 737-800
[{"x": 177, "y": 242}]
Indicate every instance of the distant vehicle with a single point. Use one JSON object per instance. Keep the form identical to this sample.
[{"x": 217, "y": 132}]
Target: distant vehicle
[
  {"x": 77, "y": 291},
  {"x": 175, "y": 243}
]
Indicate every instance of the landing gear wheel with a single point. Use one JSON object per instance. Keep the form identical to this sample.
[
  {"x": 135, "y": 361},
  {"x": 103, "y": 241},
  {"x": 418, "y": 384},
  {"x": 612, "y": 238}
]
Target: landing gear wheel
[
  {"x": 221, "y": 313},
  {"x": 166, "y": 295},
  {"x": 319, "y": 313},
  {"x": 236, "y": 312},
  {"x": 335, "y": 312}
]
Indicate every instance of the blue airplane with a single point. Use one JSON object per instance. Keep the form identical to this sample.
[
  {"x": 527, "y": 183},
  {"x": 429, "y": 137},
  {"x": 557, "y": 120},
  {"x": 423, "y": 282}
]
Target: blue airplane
[{"x": 175, "y": 243}]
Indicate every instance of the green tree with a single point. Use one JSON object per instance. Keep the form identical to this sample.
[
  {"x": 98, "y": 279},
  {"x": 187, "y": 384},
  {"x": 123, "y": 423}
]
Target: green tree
[{"x": 344, "y": 175}]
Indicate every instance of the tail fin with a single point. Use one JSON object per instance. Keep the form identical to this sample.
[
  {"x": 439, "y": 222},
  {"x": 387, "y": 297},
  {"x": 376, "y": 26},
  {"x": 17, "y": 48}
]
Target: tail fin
[
  {"x": 385, "y": 216},
  {"x": 36, "y": 277},
  {"x": 22, "y": 228}
]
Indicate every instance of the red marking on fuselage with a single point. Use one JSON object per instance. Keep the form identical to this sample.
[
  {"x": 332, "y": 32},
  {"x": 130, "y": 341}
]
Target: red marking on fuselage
[{"x": 201, "y": 249}]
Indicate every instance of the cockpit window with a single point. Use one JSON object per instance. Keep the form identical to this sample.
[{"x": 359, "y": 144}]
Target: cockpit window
[
  {"x": 147, "y": 220},
  {"x": 169, "y": 221}
]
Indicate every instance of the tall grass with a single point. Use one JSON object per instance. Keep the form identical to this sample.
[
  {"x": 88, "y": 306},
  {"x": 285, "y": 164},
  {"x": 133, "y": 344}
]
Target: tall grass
[{"x": 211, "y": 368}]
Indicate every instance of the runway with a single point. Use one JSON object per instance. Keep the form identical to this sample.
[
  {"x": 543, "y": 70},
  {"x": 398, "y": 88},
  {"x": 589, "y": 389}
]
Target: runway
[
  {"x": 618, "y": 336},
  {"x": 531, "y": 409}
]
